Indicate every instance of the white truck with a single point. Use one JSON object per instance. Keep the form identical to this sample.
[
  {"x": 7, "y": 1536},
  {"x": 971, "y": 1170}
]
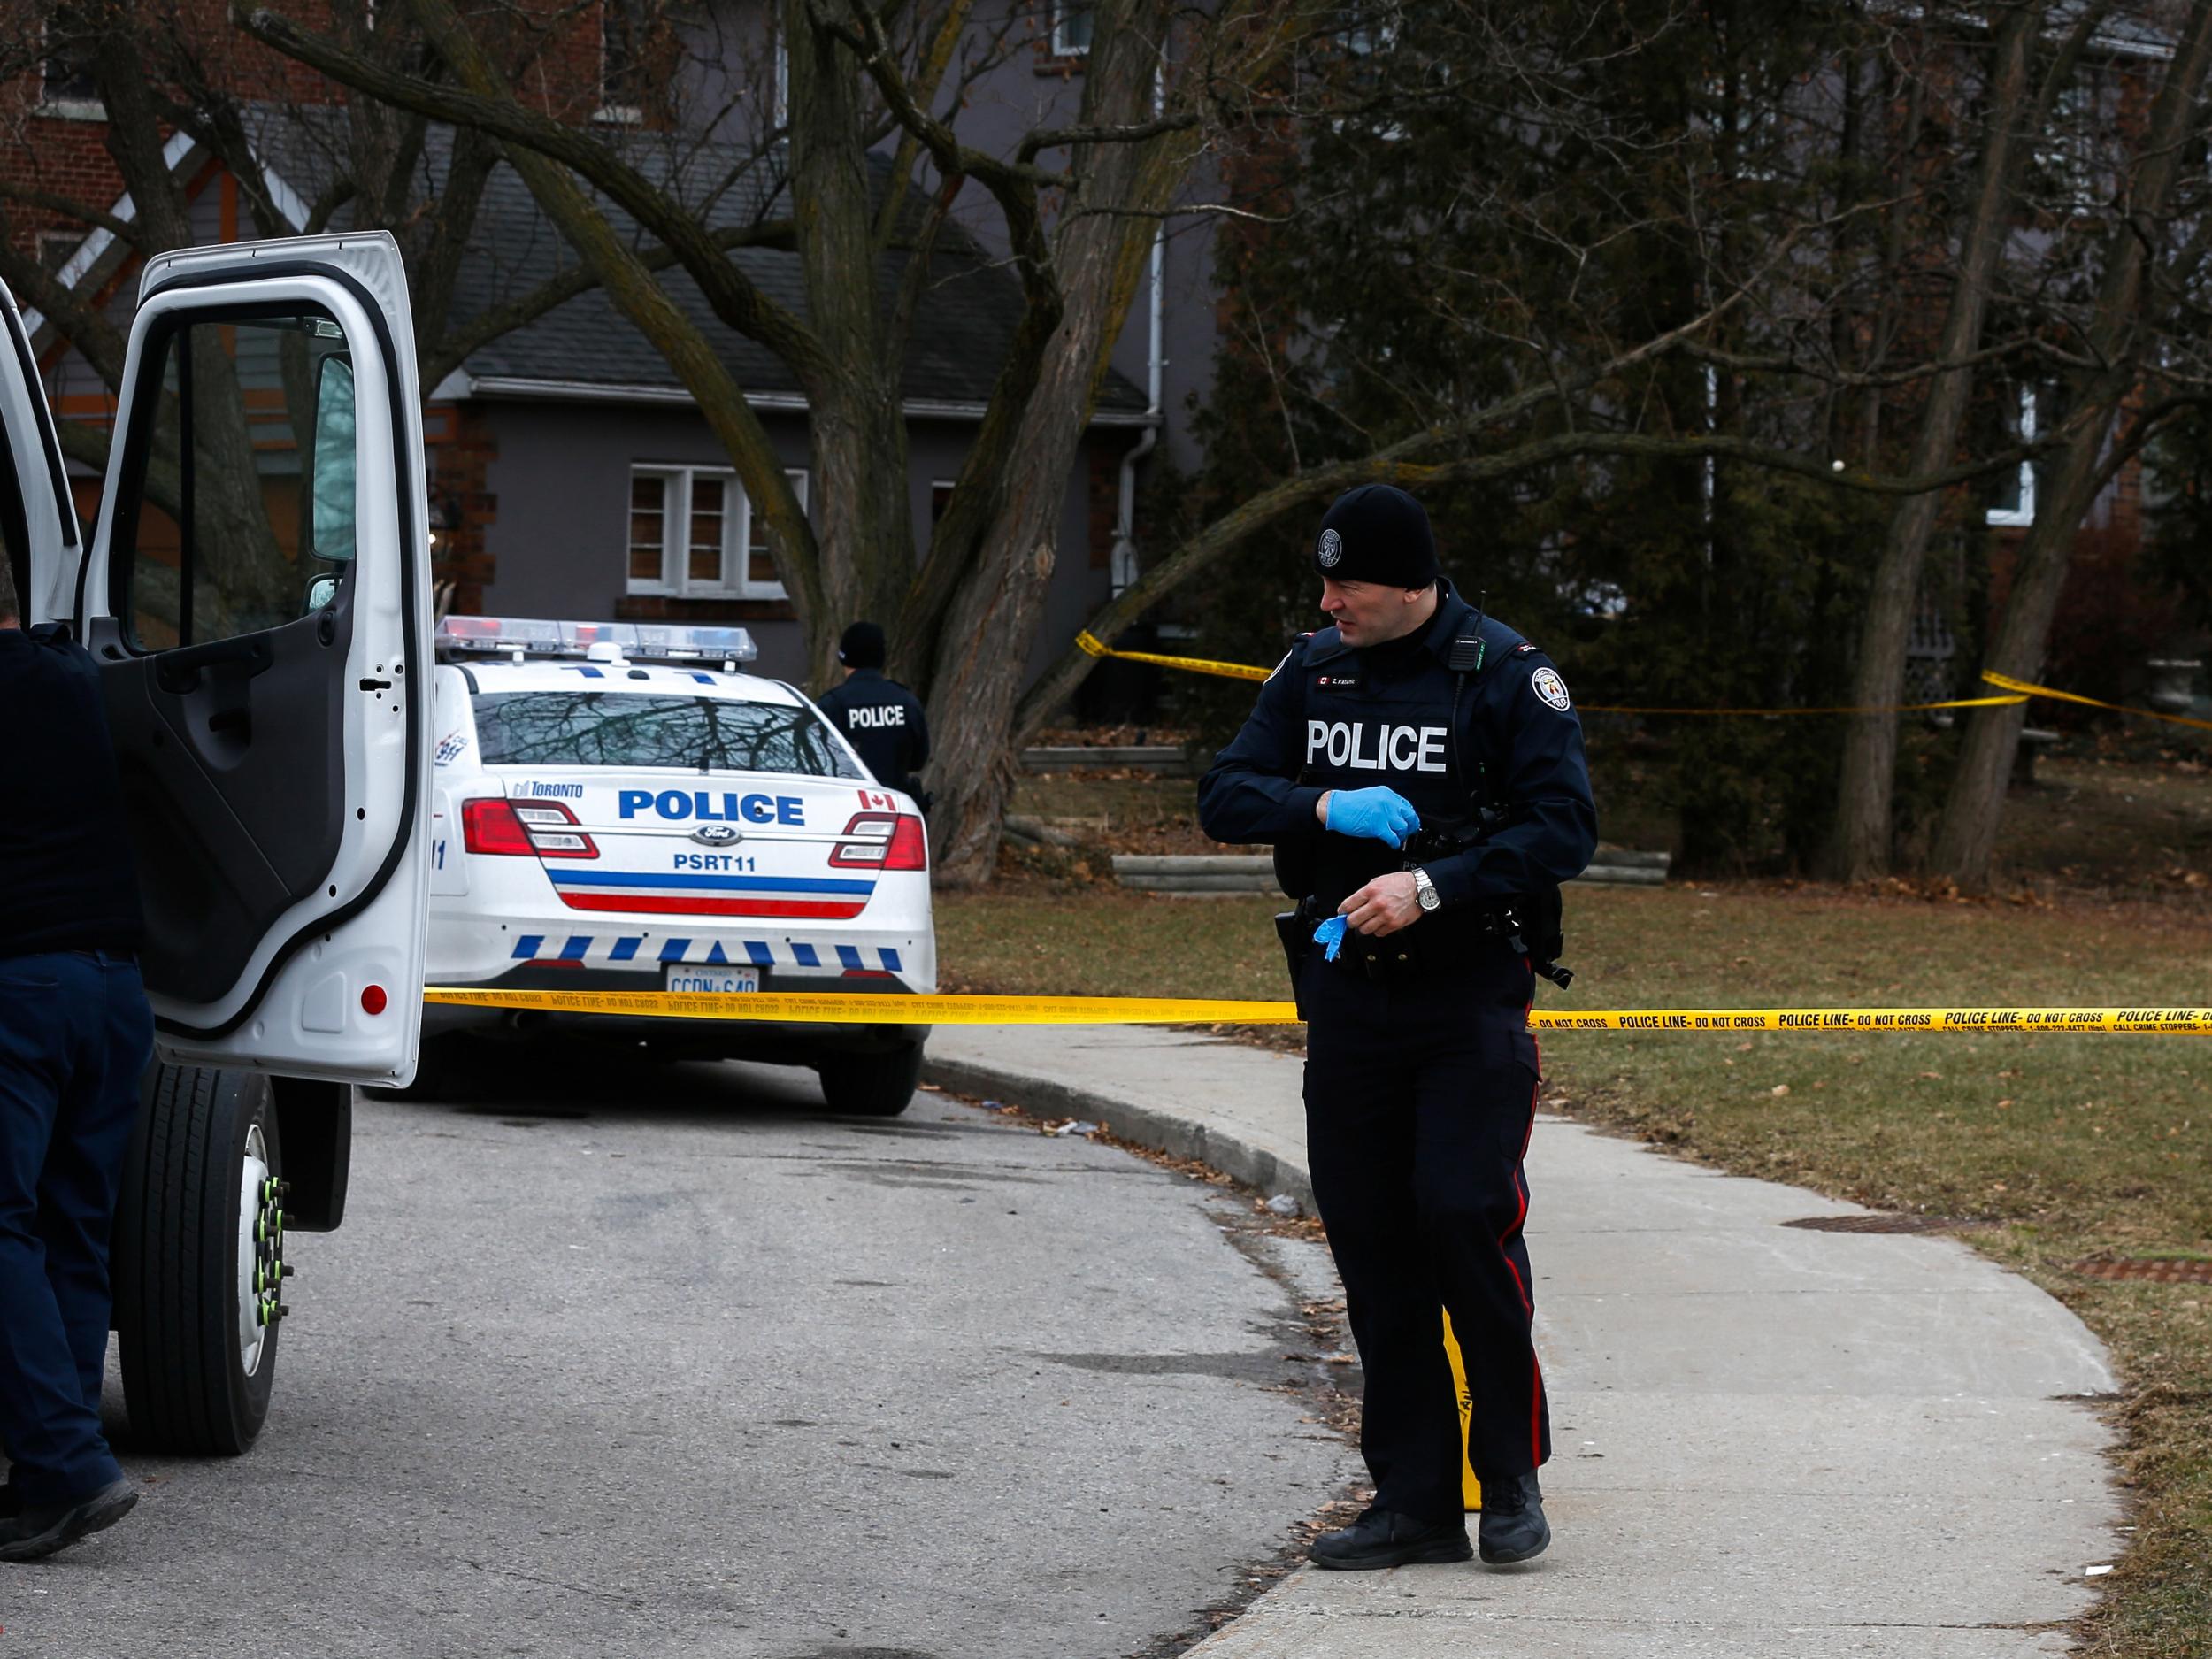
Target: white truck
[{"x": 256, "y": 594}]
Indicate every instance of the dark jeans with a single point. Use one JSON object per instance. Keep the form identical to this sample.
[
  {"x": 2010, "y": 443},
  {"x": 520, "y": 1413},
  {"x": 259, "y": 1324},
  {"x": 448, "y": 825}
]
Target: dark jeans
[
  {"x": 75, "y": 1036},
  {"x": 1419, "y": 1099}
]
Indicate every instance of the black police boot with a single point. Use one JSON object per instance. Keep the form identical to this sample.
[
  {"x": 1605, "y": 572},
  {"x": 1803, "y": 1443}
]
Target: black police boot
[
  {"x": 1383, "y": 1538},
  {"x": 33, "y": 1531},
  {"x": 1513, "y": 1526}
]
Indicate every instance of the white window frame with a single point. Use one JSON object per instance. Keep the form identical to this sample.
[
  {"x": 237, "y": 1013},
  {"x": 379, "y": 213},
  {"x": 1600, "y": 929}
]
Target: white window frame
[
  {"x": 2023, "y": 515},
  {"x": 1062, "y": 46},
  {"x": 737, "y": 534}
]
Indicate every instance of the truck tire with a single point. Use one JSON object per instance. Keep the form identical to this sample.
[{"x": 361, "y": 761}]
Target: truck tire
[
  {"x": 198, "y": 1266},
  {"x": 871, "y": 1085}
]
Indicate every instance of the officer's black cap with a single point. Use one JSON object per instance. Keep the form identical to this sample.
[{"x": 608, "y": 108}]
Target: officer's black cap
[
  {"x": 1376, "y": 534},
  {"x": 862, "y": 646}
]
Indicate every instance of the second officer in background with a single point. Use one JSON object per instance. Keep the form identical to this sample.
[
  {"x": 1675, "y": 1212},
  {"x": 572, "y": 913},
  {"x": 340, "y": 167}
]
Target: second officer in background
[
  {"x": 1416, "y": 713},
  {"x": 880, "y": 718}
]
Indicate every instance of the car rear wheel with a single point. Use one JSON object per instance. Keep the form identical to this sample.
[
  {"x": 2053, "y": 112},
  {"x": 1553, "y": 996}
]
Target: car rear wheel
[
  {"x": 871, "y": 1085},
  {"x": 199, "y": 1261}
]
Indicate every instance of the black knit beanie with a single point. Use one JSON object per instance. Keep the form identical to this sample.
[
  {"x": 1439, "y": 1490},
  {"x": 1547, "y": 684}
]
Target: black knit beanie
[
  {"x": 862, "y": 646},
  {"x": 1376, "y": 534}
]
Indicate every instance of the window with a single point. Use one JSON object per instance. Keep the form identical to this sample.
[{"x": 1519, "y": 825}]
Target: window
[
  {"x": 624, "y": 728},
  {"x": 66, "y": 86},
  {"x": 57, "y": 248},
  {"x": 2013, "y": 503},
  {"x": 2073, "y": 168},
  {"x": 623, "y": 31},
  {"x": 693, "y": 533},
  {"x": 246, "y": 476},
  {"x": 1071, "y": 21}
]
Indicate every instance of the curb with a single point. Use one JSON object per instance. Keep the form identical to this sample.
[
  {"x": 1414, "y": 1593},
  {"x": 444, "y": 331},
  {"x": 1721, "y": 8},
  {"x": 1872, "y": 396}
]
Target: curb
[{"x": 1147, "y": 1126}]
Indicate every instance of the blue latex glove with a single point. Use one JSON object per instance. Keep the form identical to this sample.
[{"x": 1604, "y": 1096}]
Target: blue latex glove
[
  {"x": 1330, "y": 934},
  {"x": 1380, "y": 813}
]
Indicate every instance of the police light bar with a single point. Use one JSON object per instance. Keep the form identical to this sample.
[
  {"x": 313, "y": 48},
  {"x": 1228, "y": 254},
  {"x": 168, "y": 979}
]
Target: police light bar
[
  {"x": 668, "y": 642},
  {"x": 600, "y": 641}
]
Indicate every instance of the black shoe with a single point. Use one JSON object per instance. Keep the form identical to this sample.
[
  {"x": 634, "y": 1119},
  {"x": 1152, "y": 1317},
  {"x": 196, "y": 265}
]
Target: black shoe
[
  {"x": 1513, "y": 1526},
  {"x": 1383, "y": 1538},
  {"x": 32, "y": 1532}
]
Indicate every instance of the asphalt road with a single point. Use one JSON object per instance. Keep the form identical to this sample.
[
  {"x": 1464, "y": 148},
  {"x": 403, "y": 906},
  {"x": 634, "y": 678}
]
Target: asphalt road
[{"x": 663, "y": 1362}]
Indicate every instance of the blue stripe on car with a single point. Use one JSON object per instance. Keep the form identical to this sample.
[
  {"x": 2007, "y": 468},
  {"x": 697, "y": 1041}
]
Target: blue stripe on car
[
  {"x": 890, "y": 958},
  {"x": 528, "y": 946},
  {"x": 847, "y": 954},
  {"x": 804, "y": 955},
  {"x": 625, "y": 949}
]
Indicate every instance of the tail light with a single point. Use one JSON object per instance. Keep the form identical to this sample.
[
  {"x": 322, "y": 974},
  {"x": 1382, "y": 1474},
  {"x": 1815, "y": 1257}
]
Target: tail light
[
  {"x": 882, "y": 841},
  {"x": 543, "y": 829}
]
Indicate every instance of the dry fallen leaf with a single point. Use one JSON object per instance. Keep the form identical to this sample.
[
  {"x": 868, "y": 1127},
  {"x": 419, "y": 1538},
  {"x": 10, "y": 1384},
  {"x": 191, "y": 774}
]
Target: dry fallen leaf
[{"x": 1778, "y": 1090}]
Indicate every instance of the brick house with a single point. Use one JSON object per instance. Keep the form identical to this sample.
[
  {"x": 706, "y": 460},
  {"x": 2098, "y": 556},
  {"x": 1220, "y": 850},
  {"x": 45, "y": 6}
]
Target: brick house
[{"x": 571, "y": 474}]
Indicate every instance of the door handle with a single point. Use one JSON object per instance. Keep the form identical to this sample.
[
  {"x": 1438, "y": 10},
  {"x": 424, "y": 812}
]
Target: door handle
[{"x": 177, "y": 672}]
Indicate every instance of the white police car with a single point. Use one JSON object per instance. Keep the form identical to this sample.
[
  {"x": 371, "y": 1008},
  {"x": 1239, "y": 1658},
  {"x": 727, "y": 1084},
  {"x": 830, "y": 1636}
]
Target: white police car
[{"x": 617, "y": 806}]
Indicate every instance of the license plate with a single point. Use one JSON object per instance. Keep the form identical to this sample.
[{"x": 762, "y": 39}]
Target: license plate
[{"x": 695, "y": 980}]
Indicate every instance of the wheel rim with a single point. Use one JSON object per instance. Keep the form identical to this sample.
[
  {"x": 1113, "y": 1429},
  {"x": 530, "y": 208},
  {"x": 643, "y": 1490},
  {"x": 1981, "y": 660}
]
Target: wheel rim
[{"x": 260, "y": 1250}]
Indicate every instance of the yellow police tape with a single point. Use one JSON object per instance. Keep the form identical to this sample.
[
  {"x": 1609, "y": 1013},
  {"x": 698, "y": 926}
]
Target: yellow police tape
[
  {"x": 2016, "y": 691},
  {"x": 1096, "y": 646},
  {"x": 1884, "y": 708},
  {"x": 2010, "y": 684},
  {"x": 834, "y": 1008}
]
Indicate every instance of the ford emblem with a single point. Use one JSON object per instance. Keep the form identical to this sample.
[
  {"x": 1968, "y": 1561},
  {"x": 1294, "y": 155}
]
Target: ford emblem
[{"x": 717, "y": 834}]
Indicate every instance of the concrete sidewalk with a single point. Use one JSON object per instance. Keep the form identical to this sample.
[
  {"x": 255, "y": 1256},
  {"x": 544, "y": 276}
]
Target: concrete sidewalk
[{"x": 1768, "y": 1441}]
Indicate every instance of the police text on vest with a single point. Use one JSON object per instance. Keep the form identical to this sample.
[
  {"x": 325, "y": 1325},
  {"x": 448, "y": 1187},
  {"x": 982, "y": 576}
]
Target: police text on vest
[
  {"x": 893, "y": 714},
  {"x": 1356, "y": 745}
]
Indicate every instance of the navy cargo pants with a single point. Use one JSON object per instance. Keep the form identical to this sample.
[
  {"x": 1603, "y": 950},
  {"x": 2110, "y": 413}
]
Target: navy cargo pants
[
  {"x": 1419, "y": 1099},
  {"x": 75, "y": 1035}
]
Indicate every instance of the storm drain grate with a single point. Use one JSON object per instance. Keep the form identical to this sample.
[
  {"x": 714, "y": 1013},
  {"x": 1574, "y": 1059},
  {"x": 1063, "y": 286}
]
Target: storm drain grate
[
  {"x": 1884, "y": 1224},
  {"x": 2187, "y": 1272}
]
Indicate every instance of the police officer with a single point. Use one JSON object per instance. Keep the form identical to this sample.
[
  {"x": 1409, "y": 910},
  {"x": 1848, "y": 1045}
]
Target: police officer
[
  {"x": 75, "y": 1035},
  {"x": 1415, "y": 711},
  {"x": 880, "y": 718}
]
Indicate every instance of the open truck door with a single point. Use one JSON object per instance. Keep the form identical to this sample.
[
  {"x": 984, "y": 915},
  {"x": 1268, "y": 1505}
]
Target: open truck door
[{"x": 257, "y": 600}]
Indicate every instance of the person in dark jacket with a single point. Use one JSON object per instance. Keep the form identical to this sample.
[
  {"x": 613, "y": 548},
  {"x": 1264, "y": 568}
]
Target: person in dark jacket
[
  {"x": 880, "y": 718},
  {"x": 75, "y": 1037},
  {"x": 1419, "y": 768}
]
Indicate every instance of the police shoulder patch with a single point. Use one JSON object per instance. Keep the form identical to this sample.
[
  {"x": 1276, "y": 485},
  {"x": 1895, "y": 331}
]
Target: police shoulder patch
[
  {"x": 1546, "y": 684},
  {"x": 1523, "y": 649}
]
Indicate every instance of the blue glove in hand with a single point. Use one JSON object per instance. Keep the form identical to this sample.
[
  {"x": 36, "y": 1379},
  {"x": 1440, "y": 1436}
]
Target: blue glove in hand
[
  {"x": 1380, "y": 813},
  {"x": 1330, "y": 936}
]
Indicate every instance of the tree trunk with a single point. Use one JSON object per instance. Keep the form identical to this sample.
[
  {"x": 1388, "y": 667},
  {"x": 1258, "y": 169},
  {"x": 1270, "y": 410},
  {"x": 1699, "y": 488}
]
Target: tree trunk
[
  {"x": 856, "y": 428},
  {"x": 984, "y": 645},
  {"x": 1860, "y": 847},
  {"x": 1966, "y": 838}
]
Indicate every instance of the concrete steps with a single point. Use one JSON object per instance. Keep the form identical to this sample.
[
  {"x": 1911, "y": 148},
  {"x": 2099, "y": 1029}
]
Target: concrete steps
[
  {"x": 1227, "y": 873},
  {"x": 1162, "y": 758}
]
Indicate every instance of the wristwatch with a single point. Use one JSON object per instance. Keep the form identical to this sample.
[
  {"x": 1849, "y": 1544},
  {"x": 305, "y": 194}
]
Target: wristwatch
[{"x": 1424, "y": 889}]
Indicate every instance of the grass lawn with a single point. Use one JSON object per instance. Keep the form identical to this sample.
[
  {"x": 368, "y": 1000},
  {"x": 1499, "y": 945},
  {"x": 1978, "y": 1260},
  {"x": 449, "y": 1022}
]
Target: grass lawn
[{"x": 2064, "y": 1148}]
